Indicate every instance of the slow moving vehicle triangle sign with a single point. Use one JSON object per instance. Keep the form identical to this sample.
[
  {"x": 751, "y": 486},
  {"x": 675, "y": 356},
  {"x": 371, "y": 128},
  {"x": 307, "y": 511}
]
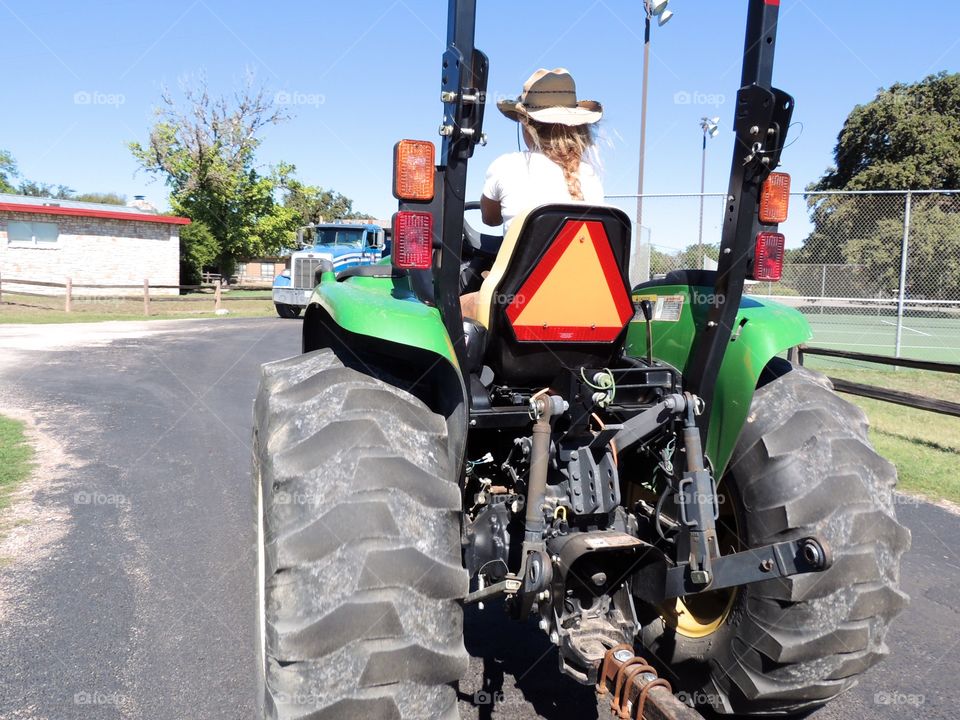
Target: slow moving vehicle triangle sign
[{"x": 576, "y": 293}]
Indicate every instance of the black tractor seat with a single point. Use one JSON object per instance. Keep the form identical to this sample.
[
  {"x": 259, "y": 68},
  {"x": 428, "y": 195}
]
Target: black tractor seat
[{"x": 557, "y": 296}]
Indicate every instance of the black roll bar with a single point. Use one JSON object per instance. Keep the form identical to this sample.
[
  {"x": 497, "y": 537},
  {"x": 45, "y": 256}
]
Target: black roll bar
[{"x": 762, "y": 118}]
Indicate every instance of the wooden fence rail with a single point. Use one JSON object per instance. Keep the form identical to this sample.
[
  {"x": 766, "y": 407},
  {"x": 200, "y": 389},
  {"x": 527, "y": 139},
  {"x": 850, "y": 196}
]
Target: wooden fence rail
[
  {"x": 875, "y": 392},
  {"x": 145, "y": 291}
]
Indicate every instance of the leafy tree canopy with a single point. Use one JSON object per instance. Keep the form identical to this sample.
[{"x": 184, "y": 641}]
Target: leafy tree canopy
[
  {"x": 198, "y": 248},
  {"x": 204, "y": 147},
  {"x": 45, "y": 190},
  {"x": 908, "y": 136},
  {"x": 691, "y": 257},
  {"x": 8, "y": 171},
  {"x": 205, "y": 150},
  {"x": 106, "y": 198},
  {"x": 316, "y": 204}
]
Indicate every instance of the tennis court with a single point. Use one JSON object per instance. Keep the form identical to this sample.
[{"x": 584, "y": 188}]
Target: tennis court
[{"x": 930, "y": 330}]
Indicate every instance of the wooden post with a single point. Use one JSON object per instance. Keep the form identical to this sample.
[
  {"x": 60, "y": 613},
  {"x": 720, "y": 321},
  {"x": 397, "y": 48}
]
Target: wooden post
[
  {"x": 146, "y": 297},
  {"x": 68, "y": 298},
  {"x": 216, "y": 298},
  {"x": 795, "y": 356}
]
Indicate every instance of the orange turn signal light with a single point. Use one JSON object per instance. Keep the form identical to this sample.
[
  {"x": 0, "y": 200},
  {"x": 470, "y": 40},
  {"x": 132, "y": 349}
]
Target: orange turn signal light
[
  {"x": 775, "y": 198},
  {"x": 413, "y": 168}
]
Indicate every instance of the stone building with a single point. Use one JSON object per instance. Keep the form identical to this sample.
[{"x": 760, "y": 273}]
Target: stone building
[{"x": 91, "y": 243}]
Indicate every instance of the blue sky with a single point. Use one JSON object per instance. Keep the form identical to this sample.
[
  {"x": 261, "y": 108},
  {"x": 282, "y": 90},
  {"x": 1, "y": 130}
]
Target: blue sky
[{"x": 81, "y": 80}]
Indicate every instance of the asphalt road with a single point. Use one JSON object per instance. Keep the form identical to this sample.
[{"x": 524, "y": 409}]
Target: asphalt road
[{"x": 127, "y": 578}]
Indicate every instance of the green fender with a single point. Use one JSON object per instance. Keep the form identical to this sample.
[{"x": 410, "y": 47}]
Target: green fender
[
  {"x": 766, "y": 329},
  {"x": 383, "y": 308},
  {"x": 379, "y": 322}
]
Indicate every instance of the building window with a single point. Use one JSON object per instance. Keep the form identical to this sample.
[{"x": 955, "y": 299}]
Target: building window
[
  {"x": 32, "y": 234},
  {"x": 266, "y": 270}
]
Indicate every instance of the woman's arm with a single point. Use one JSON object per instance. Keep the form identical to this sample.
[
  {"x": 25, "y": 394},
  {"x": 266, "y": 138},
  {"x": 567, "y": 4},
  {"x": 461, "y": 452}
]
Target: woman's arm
[{"x": 490, "y": 211}]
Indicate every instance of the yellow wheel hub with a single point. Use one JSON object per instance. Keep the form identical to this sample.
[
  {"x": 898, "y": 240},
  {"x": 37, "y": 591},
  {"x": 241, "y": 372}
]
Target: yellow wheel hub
[
  {"x": 697, "y": 616},
  {"x": 700, "y": 615}
]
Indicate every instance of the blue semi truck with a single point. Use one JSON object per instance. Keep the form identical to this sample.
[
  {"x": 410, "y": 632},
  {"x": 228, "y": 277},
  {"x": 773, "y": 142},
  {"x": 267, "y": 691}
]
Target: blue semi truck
[{"x": 343, "y": 243}]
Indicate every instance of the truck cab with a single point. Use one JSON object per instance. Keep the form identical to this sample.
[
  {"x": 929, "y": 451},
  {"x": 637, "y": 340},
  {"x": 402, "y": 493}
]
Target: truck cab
[{"x": 345, "y": 244}]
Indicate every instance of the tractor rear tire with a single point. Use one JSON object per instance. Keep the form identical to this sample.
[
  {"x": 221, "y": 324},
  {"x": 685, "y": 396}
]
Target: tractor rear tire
[
  {"x": 359, "y": 555},
  {"x": 802, "y": 466},
  {"x": 287, "y": 312}
]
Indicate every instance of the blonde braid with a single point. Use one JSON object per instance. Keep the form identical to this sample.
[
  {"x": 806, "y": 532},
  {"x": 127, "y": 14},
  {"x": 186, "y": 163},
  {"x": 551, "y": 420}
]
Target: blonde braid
[{"x": 564, "y": 145}]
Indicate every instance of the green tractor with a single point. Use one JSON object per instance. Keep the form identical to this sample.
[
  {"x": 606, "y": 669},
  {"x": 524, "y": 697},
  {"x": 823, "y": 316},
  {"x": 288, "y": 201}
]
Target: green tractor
[{"x": 626, "y": 466}]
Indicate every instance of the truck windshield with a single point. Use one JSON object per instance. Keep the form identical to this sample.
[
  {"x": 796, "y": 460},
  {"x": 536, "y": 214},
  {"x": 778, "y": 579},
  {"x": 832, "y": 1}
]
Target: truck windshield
[{"x": 339, "y": 236}]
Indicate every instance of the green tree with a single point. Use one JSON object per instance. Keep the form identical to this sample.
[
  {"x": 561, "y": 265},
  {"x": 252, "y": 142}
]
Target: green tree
[
  {"x": 198, "y": 248},
  {"x": 105, "y": 198},
  {"x": 907, "y": 137},
  {"x": 687, "y": 259},
  {"x": 206, "y": 154},
  {"x": 8, "y": 172},
  {"x": 693, "y": 255},
  {"x": 33, "y": 188},
  {"x": 316, "y": 204}
]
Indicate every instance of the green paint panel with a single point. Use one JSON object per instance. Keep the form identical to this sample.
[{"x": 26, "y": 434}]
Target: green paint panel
[
  {"x": 769, "y": 329},
  {"x": 384, "y": 308}
]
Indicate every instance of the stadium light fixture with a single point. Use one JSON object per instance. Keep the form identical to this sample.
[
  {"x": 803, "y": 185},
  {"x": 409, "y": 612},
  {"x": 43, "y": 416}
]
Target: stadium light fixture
[{"x": 658, "y": 6}]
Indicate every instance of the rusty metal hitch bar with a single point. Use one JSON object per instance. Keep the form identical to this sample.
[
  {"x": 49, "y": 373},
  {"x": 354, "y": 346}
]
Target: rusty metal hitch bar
[{"x": 636, "y": 690}]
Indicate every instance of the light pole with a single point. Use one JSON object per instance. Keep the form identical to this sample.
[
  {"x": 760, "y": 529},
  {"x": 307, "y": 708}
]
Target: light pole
[
  {"x": 651, "y": 9},
  {"x": 710, "y": 128}
]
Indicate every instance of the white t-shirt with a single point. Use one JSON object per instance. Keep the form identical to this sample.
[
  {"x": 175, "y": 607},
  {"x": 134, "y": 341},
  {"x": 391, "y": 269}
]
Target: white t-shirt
[{"x": 523, "y": 180}]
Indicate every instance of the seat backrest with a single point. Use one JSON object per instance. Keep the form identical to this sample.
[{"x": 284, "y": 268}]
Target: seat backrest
[{"x": 558, "y": 294}]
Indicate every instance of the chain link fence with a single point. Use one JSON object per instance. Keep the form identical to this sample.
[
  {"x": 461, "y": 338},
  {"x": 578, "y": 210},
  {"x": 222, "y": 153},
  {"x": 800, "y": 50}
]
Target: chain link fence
[{"x": 874, "y": 271}]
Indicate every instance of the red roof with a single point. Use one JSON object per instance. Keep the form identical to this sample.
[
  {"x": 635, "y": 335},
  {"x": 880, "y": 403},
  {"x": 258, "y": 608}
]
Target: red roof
[{"x": 83, "y": 212}]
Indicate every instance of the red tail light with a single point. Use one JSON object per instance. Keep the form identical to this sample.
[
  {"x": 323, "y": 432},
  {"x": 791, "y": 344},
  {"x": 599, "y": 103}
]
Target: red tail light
[
  {"x": 412, "y": 240},
  {"x": 768, "y": 256}
]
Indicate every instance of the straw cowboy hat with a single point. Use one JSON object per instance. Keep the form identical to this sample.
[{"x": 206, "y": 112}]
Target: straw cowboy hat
[{"x": 550, "y": 96}]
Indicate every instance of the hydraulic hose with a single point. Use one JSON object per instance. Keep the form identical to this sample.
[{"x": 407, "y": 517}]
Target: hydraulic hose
[
  {"x": 545, "y": 408},
  {"x": 537, "y": 488}
]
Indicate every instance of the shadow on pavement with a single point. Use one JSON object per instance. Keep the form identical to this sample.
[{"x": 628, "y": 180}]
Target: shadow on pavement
[{"x": 522, "y": 657}]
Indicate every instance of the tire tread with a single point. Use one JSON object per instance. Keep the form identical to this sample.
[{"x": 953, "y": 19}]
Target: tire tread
[{"x": 361, "y": 533}]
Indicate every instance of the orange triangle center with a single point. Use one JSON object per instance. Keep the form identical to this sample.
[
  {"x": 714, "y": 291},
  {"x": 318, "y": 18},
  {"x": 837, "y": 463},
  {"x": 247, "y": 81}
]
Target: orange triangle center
[{"x": 575, "y": 292}]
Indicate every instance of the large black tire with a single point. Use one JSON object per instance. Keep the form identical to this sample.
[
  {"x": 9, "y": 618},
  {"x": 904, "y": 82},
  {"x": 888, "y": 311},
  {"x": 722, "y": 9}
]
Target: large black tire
[
  {"x": 802, "y": 466},
  {"x": 287, "y": 312},
  {"x": 360, "y": 571}
]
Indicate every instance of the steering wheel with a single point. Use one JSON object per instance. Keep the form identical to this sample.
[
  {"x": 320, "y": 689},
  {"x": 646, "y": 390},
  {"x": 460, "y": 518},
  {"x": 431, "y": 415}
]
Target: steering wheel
[
  {"x": 479, "y": 252},
  {"x": 479, "y": 243}
]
